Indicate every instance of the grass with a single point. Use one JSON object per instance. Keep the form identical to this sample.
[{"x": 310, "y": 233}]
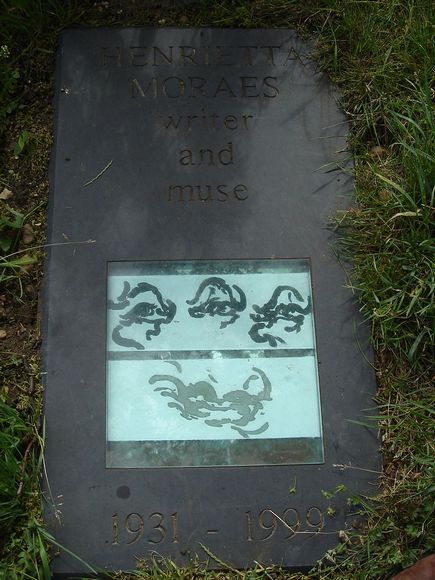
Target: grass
[
  {"x": 22, "y": 542},
  {"x": 380, "y": 54}
]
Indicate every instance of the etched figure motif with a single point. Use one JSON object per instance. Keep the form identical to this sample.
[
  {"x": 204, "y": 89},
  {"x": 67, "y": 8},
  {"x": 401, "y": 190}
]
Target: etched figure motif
[
  {"x": 279, "y": 307},
  {"x": 155, "y": 312},
  {"x": 200, "y": 401},
  {"x": 215, "y": 297}
]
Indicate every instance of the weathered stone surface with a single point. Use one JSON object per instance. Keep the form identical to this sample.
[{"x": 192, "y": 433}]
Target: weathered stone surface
[{"x": 185, "y": 145}]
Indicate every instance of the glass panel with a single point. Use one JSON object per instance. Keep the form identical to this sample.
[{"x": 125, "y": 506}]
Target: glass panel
[{"x": 211, "y": 363}]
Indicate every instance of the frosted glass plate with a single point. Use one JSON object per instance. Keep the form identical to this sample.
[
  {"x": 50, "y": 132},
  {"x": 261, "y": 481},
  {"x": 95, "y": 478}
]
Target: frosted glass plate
[{"x": 211, "y": 363}]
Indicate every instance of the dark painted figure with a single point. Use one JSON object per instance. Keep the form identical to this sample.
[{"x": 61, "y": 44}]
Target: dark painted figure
[
  {"x": 155, "y": 312},
  {"x": 215, "y": 297},
  {"x": 200, "y": 401},
  {"x": 279, "y": 307}
]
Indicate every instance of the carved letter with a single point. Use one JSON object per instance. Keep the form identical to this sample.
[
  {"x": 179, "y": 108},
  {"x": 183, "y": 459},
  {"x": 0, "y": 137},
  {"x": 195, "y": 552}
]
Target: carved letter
[
  {"x": 135, "y": 57},
  {"x": 229, "y": 153},
  {"x": 117, "y": 56},
  {"x": 271, "y": 86},
  {"x": 189, "y": 121},
  {"x": 186, "y": 157},
  {"x": 197, "y": 84},
  {"x": 157, "y": 52},
  {"x": 289, "y": 56},
  {"x": 179, "y": 87},
  {"x": 222, "y": 55},
  {"x": 181, "y": 190},
  {"x": 187, "y": 53},
  {"x": 136, "y": 88},
  {"x": 270, "y": 54},
  {"x": 202, "y": 153},
  {"x": 171, "y": 122},
  {"x": 248, "y": 54},
  {"x": 222, "y": 192},
  {"x": 247, "y": 84},
  {"x": 230, "y": 122},
  {"x": 239, "y": 189},
  {"x": 224, "y": 87},
  {"x": 245, "y": 120},
  {"x": 208, "y": 197}
]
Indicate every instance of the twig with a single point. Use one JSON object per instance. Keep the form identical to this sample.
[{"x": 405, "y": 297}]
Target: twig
[
  {"x": 23, "y": 465},
  {"x": 99, "y": 174},
  {"x": 344, "y": 466},
  {"x": 308, "y": 532},
  {"x": 5, "y": 258}
]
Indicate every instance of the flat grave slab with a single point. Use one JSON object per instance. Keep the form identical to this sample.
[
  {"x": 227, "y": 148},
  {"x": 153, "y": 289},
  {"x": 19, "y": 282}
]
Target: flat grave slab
[{"x": 206, "y": 366}]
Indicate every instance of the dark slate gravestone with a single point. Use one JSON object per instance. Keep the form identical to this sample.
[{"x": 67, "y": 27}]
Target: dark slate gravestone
[{"x": 204, "y": 357}]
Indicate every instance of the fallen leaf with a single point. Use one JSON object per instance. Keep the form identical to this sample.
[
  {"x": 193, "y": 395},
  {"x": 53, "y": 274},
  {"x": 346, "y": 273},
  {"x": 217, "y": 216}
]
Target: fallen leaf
[
  {"x": 28, "y": 235},
  {"x": 5, "y": 193},
  {"x": 378, "y": 152},
  {"x": 384, "y": 195}
]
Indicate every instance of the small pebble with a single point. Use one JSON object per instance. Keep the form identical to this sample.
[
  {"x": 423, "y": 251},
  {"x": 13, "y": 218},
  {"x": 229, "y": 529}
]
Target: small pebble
[
  {"x": 5, "y": 193},
  {"x": 28, "y": 235}
]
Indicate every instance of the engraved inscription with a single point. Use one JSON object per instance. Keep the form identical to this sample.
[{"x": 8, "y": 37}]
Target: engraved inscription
[
  {"x": 174, "y": 523},
  {"x": 134, "y": 526},
  {"x": 168, "y": 73},
  {"x": 111, "y": 56},
  {"x": 174, "y": 87},
  {"x": 292, "y": 519},
  {"x": 158, "y": 533},
  {"x": 207, "y": 193},
  {"x": 224, "y": 156},
  {"x": 262, "y": 526},
  {"x": 153, "y": 528},
  {"x": 315, "y": 518},
  {"x": 269, "y": 522},
  {"x": 206, "y": 120},
  {"x": 191, "y": 56},
  {"x": 115, "y": 530}
]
